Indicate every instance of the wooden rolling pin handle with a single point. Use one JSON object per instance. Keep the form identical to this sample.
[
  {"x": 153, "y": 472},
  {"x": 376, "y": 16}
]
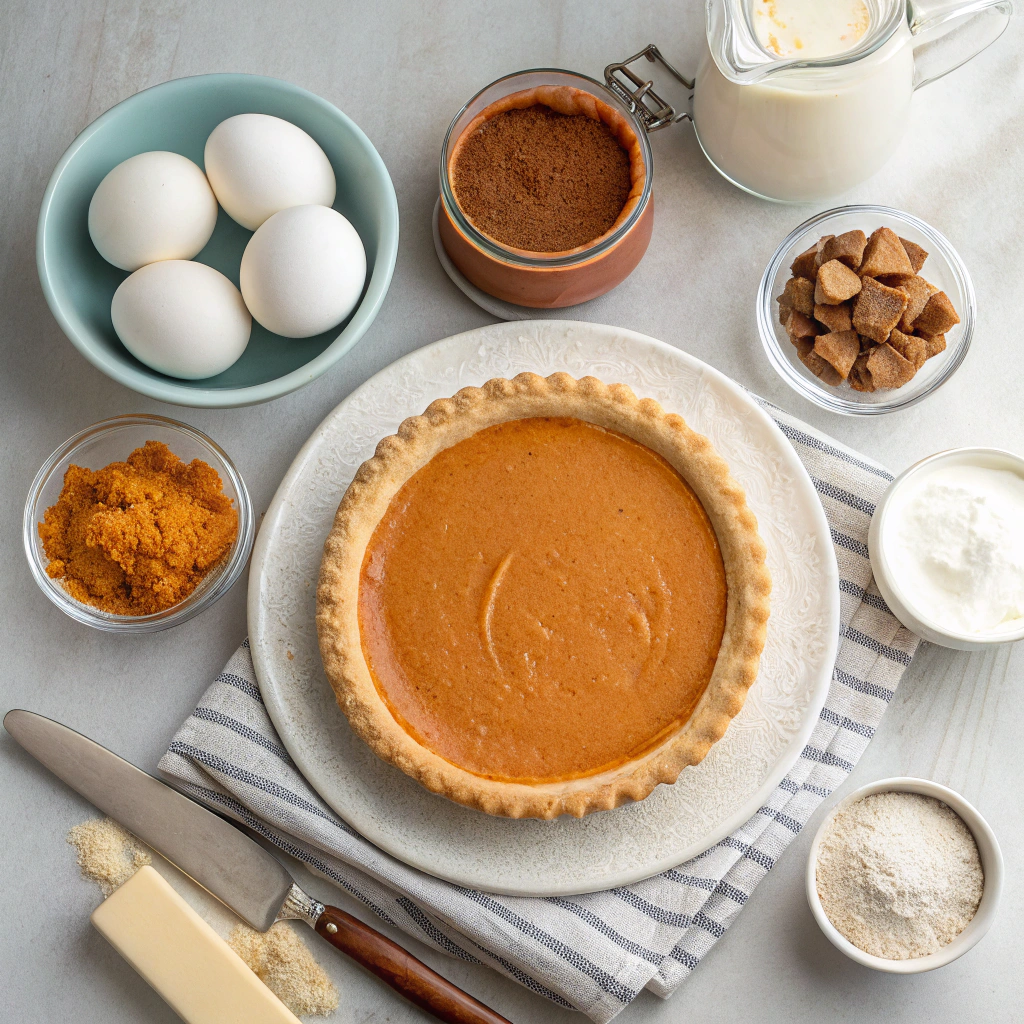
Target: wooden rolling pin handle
[{"x": 402, "y": 971}]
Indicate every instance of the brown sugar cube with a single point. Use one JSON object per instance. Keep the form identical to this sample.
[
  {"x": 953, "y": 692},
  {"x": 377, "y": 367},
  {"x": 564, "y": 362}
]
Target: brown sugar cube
[
  {"x": 933, "y": 344},
  {"x": 860, "y": 376},
  {"x": 839, "y": 349},
  {"x": 835, "y": 318},
  {"x": 877, "y": 309},
  {"x": 938, "y": 315},
  {"x": 800, "y": 295},
  {"x": 804, "y": 265},
  {"x": 918, "y": 292},
  {"x": 836, "y": 283},
  {"x": 784, "y": 309},
  {"x": 911, "y": 348},
  {"x": 884, "y": 254},
  {"x": 819, "y": 256},
  {"x": 915, "y": 254},
  {"x": 800, "y": 326},
  {"x": 888, "y": 368},
  {"x": 848, "y": 248},
  {"x": 820, "y": 368}
]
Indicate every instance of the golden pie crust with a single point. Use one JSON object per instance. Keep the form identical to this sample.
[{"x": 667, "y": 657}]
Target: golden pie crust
[{"x": 446, "y": 423}]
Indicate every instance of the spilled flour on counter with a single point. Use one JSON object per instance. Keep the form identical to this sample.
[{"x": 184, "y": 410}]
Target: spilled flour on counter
[
  {"x": 283, "y": 962},
  {"x": 899, "y": 874},
  {"x": 107, "y": 854}
]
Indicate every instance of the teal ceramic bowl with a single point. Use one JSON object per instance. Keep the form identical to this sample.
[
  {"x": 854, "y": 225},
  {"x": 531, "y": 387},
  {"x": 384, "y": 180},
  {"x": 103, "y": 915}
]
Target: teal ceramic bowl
[{"x": 178, "y": 116}]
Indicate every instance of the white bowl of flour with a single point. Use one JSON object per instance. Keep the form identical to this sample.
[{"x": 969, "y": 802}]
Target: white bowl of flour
[{"x": 904, "y": 876}]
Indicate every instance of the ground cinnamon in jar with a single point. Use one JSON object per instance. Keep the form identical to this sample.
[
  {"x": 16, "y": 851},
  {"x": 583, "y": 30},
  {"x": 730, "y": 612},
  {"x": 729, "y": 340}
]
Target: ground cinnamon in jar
[
  {"x": 138, "y": 536},
  {"x": 535, "y": 179}
]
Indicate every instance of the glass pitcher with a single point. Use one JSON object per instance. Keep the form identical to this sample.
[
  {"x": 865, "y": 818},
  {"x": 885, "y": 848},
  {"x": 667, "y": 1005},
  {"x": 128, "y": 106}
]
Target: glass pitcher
[{"x": 799, "y": 130}]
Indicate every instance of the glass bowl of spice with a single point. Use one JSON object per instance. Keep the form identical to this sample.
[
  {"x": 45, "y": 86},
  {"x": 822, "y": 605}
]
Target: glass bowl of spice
[
  {"x": 546, "y": 189},
  {"x": 904, "y": 876},
  {"x": 137, "y": 524}
]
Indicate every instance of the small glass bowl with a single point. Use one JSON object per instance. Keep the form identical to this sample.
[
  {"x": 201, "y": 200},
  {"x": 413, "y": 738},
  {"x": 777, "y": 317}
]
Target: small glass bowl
[
  {"x": 943, "y": 268},
  {"x": 112, "y": 441}
]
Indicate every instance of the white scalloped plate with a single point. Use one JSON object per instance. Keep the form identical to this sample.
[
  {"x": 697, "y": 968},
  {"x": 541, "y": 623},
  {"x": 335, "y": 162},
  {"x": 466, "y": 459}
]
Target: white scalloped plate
[{"x": 603, "y": 850}]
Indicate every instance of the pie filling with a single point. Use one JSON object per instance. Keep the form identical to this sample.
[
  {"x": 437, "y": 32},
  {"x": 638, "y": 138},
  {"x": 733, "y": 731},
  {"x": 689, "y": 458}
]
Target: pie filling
[{"x": 542, "y": 601}]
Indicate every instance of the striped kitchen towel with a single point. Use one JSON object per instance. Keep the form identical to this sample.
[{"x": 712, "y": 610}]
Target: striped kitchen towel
[{"x": 596, "y": 952}]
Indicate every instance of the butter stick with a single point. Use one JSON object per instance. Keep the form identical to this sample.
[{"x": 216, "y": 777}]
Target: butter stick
[{"x": 201, "y": 978}]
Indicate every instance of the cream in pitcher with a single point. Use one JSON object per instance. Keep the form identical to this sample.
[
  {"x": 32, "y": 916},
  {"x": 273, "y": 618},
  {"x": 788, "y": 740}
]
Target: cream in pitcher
[
  {"x": 799, "y": 100},
  {"x": 809, "y": 28}
]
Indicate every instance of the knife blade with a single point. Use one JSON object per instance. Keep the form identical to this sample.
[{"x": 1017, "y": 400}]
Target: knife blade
[
  {"x": 228, "y": 864},
  {"x": 212, "y": 852}
]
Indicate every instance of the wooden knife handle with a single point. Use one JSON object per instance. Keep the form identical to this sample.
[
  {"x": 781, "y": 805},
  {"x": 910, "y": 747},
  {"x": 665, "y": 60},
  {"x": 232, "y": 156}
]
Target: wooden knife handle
[{"x": 402, "y": 971}]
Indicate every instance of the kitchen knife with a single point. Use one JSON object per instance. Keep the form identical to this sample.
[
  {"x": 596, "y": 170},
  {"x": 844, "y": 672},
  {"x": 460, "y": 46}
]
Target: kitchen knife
[{"x": 228, "y": 864}]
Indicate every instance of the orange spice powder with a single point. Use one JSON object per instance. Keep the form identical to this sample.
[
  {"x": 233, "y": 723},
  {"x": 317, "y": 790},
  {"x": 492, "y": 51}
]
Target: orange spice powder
[{"x": 138, "y": 536}]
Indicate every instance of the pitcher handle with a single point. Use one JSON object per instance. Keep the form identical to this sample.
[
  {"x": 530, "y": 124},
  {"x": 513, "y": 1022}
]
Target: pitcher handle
[{"x": 949, "y": 33}]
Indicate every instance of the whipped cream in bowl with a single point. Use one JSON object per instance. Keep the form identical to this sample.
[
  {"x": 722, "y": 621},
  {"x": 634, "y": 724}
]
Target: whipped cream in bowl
[{"x": 947, "y": 548}]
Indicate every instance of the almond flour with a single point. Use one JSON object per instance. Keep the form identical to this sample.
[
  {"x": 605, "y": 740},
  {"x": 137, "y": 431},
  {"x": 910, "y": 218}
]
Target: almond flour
[
  {"x": 899, "y": 875},
  {"x": 107, "y": 854},
  {"x": 283, "y": 962}
]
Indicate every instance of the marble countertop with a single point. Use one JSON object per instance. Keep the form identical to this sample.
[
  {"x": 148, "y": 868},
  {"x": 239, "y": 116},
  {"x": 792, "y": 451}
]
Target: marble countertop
[{"x": 401, "y": 69}]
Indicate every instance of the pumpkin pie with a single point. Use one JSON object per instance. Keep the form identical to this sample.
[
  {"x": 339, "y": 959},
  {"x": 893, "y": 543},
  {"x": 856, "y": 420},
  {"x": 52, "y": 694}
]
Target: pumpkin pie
[{"x": 543, "y": 597}]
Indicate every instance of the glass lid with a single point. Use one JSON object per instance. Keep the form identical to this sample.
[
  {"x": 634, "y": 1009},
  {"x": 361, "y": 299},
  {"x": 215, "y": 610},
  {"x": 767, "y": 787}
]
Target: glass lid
[{"x": 753, "y": 39}]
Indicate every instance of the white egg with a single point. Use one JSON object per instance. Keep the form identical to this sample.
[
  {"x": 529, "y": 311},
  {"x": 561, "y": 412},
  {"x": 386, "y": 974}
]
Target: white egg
[
  {"x": 303, "y": 271},
  {"x": 154, "y": 206},
  {"x": 259, "y": 165},
  {"x": 181, "y": 318}
]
